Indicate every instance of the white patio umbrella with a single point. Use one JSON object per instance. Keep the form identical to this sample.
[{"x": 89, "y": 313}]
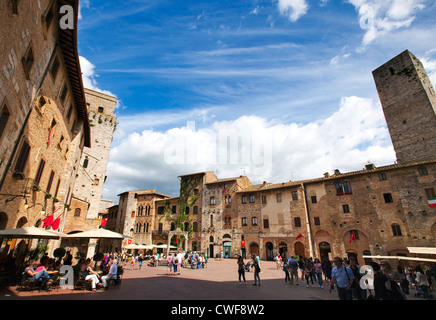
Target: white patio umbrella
[
  {"x": 164, "y": 246},
  {"x": 98, "y": 234},
  {"x": 30, "y": 232},
  {"x": 132, "y": 246}
]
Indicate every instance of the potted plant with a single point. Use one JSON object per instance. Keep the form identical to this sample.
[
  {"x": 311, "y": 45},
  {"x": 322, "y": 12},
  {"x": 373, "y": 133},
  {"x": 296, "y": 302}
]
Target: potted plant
[
  {"x": 36, "y": 187},
  {"x": 47, "y": 195},
  {"x": 59, "y": 253},
  {"x": 55, "y": 200}
]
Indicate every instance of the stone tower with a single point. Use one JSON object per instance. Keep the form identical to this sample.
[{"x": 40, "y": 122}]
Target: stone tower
[
  {"x": 92, "y": 169},
  {"x": 409, "y": 101}
]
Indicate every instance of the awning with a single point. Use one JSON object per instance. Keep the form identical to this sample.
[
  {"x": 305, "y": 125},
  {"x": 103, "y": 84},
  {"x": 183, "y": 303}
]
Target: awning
[
  {"x": 98, "y": 234},
  {"x": 400, "y": 258},
  {"x": 422, "y": 250},
  {"x": 30, "y": 232}
]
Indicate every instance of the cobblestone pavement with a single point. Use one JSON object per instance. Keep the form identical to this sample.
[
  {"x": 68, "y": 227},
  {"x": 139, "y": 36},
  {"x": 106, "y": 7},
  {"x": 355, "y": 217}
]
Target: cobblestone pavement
[{"x": 219, "y": 281}]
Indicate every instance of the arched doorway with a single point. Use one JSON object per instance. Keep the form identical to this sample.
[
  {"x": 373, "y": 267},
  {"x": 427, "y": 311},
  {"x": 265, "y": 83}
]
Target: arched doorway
[
  {"x": 211, "y": 247},
  {"x": 3, "y": 220},
  {"x": 22, "y": 222},
  {"x": 254, "y": 249},
  {"x": 299, "y": 249},
  {"x": 227, "y": 246},
  {"x": 283, "y": 250},
  {"x": 227, "y": 249},
  {"x": 324, "y": 250},
  {"x": 269, "y": 251}
]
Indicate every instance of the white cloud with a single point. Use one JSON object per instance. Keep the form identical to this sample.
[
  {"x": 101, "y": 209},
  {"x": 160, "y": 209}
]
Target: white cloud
[
  {"x": 293, "y": 9},
  {"x": 379, "y": 17},
  {"x": 266, "y": 150},
  {"x": 89, "y": 76}
]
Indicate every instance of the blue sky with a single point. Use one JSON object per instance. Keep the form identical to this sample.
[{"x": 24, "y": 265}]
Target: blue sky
[{"x": 291, "y": 76}]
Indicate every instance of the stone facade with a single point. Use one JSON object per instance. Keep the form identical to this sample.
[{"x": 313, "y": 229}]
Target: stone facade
[
  {"x": 93, "y": 164},
  {"x": 374, "y": 211},
  {"x": 44, "y": 125},
  {"x": 409, "y": 104}
]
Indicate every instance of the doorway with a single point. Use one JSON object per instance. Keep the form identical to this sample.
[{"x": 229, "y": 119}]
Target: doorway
[
  {"x": 283, "y": 250},
  {"x": 324, "y": 250},
  {"x": 269, "y": 251}
]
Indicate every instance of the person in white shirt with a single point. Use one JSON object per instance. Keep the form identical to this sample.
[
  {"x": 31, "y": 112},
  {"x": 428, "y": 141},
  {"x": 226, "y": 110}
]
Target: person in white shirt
[
  {"x": 179, "y": 261},
  {"x": 113, "y": 273},
  {"x": 422, "y": 281}
]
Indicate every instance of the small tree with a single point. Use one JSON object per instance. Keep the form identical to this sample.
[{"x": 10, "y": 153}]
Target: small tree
[{"x": 59, "y": 253}]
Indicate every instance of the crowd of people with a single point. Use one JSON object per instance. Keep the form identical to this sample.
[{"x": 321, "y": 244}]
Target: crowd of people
[
  {"x": 345, "y": 276},
  {"x": 47, "y": 270}
]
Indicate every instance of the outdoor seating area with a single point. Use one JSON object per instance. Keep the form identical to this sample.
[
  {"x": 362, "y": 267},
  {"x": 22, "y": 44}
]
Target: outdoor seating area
[{"x": 26, "y": 264}]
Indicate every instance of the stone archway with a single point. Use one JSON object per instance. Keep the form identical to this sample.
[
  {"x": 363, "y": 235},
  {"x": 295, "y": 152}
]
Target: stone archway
[
  {"x": 3, "y": 220},
  {"x": 269, "y": 247},
  {"x": 299, "y": 249},
  {"x": 177, "y": 232}
]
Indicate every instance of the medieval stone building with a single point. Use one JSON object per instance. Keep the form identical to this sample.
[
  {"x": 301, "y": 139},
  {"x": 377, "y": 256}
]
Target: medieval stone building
[
  {"x": 43, "y": 116},
  {"x": 373, "y": 211},
  {"x": 55, "y": 135}
]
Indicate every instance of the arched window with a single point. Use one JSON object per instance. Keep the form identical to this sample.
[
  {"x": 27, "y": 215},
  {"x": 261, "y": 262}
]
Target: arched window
[
  {"x": 186, "y": 226},
  {"x": 195, "y": 226},
  {"x": 195, "y": 210},
  {"x": 77, "y": 212},
  {"x": 212, "y": 200},
  {"x": 173, "y": 226}
]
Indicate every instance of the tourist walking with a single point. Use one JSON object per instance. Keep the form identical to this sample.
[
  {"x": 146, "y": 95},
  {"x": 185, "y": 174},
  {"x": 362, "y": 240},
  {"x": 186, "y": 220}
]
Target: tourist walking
[
  {"x": 293, "y": 270},
  {"x": 286, "y": 270},
  {"x": 241, "y": 270},
  {"x": 422, "y": 282},
  {"x": 358, "y": 292},
  {"x": 343, "y": 277},
  {"x": 170, "y": 264},
  {"x": 394, "y": 278},
  {"x": 318, "y": 272},
  {"x": 257, "y": 269},
  {"x": 327, "y": 267},
  {"x": 140, "y": 260},
  {"x": 404, "y": 282},
  {"x": 308, "y": 272}
]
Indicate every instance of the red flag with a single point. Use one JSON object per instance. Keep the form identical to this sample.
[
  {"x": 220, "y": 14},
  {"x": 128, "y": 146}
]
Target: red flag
[
  {"x": 299, "y": 236},
  {"x": 103, "y": 222},
  {"x": 224, "y": 190},
  {"x": 50, "y": 137},
  {"x": 55, "y": 224},
  {"x": 177, "y": 240},
  {"x": 48, "y": 221},
  {"x": 353, "y": 237}
]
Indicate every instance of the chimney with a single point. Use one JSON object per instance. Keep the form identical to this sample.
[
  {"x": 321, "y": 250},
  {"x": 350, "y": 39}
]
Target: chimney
[
  {"x": 370, "y": 166},
  {"x": 337, "y": 172},
  {"x": 326, "y": 175}
]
